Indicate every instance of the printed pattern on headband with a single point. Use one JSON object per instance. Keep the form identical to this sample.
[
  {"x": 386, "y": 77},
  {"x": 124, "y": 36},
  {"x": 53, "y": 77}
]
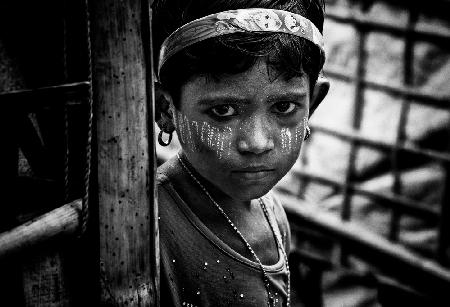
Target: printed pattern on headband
[{"x": 243, "y": 20}]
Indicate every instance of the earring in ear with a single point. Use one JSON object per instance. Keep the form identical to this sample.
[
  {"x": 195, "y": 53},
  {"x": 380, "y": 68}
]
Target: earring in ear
[
  {"x": 160, "y": 138},
  {"x": 308, "y": 133}
]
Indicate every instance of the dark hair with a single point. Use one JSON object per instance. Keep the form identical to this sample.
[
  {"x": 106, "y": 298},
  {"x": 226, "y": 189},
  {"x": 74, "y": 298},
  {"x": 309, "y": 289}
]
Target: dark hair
[{"x": 286, "y": 54}]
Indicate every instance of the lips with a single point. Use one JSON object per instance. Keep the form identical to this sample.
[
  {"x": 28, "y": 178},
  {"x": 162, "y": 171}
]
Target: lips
[{"x": 252, "y": 173}]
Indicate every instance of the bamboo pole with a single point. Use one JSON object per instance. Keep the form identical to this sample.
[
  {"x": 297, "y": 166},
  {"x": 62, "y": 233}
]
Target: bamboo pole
[
  {"x": 125, "y": 168},
  {"x": 57, "y": 223}
]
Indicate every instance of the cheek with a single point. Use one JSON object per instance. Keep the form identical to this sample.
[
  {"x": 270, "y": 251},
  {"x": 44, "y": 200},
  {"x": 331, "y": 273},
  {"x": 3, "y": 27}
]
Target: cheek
[
  {"x": 290, "y": 140},
  {"x": 202, "y": 137}
]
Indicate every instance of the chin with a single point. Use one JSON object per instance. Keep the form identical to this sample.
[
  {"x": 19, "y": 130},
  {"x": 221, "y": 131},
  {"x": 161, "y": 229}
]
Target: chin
[{"x": 251, "y": 193}]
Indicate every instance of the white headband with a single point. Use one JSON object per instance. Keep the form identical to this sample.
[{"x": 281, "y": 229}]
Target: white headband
[{"x": 243, "y": 20}]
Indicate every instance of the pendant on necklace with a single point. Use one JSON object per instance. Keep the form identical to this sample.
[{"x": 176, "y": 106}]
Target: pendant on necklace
[{"x": 270, "y": 297}]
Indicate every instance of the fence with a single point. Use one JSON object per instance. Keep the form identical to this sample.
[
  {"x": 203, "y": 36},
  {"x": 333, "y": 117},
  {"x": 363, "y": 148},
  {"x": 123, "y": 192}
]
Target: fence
[{"x": 424, "y": 273}]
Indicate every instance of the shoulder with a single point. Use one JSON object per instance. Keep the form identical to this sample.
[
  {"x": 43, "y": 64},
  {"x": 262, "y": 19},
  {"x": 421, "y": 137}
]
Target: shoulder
[
  {"x": 166, "y": 185},
  {"x": 272, "y": 201},
  {"x": 166, "y": 172},
  {"x": 274, "y": 204}
]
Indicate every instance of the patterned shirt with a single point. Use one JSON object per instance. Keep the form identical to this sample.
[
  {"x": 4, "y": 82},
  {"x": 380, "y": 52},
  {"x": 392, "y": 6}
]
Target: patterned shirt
[{"x": 200, "y": 269}]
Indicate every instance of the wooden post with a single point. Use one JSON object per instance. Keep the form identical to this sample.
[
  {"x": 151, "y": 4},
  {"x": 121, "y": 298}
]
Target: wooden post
[{"x": 127, "y": 212}]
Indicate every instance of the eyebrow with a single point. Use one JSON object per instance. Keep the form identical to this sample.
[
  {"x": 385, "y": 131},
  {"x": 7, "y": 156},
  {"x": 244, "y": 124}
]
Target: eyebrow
[
  {"x": 290, "y": 96},
  {"x": 209, "y": 101}
]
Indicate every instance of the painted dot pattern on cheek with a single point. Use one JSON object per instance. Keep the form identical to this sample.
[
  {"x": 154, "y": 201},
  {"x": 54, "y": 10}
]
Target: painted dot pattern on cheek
[
  {"x": 196, "y": 136},
  {"x": 291, "y": 141},
  {"x": 286, "y": 140}
]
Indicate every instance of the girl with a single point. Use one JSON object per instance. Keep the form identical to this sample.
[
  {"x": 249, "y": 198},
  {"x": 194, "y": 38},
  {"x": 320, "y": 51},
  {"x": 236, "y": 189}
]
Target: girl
[{"x": 238, "y": 81}]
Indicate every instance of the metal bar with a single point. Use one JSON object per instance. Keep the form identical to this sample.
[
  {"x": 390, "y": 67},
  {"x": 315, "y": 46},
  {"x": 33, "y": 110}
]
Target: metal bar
[
  {"x": 43, "y": 92},
  {"x": 408, "y": 56},
  {"x": 368, "y": 25},
  {"x": 430, "y": 277},
  {"x": 443, "y": 246},
  {"x": 358, "y": 105},
  {"x": 405, "y": 92},
  {"x": 381, "y": 145},
  {"x": 408, "y": 206}
]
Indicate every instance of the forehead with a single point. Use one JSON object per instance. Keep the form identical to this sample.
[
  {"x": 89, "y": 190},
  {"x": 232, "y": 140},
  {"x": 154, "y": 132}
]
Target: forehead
[{"x": 255, "y": 84}]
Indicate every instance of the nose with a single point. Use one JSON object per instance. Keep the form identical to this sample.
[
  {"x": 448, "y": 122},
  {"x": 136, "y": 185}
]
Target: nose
[{"x": 255, "y": 137}]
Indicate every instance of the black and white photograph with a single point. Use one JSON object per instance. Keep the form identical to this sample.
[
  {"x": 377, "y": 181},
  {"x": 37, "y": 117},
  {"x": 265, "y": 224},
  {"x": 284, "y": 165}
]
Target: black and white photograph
[{"x": 218, "y": 153}]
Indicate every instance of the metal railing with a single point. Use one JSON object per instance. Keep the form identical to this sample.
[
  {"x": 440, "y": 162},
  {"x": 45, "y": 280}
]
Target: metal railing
[{"x": 375, "y": 249}]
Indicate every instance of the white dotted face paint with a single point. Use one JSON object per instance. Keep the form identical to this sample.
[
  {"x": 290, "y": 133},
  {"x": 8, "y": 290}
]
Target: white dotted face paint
[
  {"x": 194, "y": 135},
  {"x": 286, "y": 140},
  {"x": 292, "y": 139}
]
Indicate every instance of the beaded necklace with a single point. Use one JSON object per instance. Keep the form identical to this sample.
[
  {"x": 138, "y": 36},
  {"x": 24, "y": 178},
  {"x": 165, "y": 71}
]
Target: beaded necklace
[{"x": 270, "y": 295}]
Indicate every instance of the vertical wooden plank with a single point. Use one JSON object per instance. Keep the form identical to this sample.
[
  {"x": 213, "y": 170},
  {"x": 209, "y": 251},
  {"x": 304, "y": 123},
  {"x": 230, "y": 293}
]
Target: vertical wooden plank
[
  {"x": 147, "y": 38},
  {"x": 125, "y": 191}
]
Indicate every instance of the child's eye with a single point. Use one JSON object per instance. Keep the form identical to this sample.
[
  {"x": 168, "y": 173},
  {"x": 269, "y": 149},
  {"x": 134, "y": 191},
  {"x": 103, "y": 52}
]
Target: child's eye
[
  {"x": 284, "y": 107},
  {"x": 223, "y": 111}
]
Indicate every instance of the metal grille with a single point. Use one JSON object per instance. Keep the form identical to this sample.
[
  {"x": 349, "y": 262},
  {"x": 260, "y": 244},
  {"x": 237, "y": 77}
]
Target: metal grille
[{"x": 399, "y": 204}]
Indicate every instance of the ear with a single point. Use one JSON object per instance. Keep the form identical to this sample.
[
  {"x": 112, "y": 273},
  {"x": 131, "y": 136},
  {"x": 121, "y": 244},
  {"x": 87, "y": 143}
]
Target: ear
[
  {"x": 320, "y": 91},
  {"x": 163, "y": 109}
]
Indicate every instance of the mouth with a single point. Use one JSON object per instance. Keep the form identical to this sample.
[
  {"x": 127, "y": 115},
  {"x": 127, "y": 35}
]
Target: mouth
[{"x": 252, "y": 173}]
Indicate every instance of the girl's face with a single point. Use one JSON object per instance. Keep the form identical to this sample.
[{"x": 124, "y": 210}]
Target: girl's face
[{"x": 243, "y": 132}]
